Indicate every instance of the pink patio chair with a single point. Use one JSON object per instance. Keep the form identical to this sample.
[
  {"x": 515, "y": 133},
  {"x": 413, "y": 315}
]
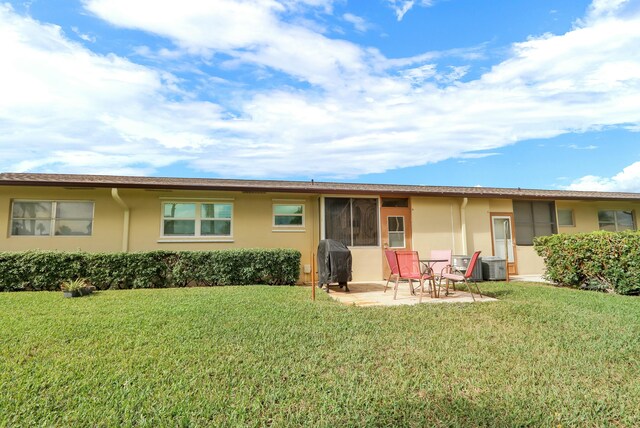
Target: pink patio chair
[
  {"x": 409, "y": 268},
  {"x": 439, "y": 268},
  {"x": 458, "y": 276},
  {"x": 392, "y": 261}
]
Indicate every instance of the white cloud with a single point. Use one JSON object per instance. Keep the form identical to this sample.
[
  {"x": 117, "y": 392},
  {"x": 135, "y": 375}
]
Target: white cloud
[
  {"x": 80, "y": 104},
  {"x": 577, "y": 147},
  {"x": 628, "y": 180},
  {"x": 358, "y": 112},
  {"x": 359, "y": 23},
  {"x": 249, "y": 31},
  {"x": 606, "y": 8},
  {"x": 401, "y": 7},
  {"x": 419, "y": 74},
  {"x": 86, "y": 37}
]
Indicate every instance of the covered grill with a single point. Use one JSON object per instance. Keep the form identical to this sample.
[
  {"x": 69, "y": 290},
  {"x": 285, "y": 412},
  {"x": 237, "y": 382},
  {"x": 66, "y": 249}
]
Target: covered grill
[{"x": 334, "y": 263}]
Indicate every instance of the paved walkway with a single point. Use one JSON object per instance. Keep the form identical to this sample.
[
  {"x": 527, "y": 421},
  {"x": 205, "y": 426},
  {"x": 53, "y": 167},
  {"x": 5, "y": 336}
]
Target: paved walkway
[
  {"x": 372, "y": 294},
  {"x": 529, "y": 278}
]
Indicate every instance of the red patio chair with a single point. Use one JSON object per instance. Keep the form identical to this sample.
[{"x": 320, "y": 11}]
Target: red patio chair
[
  {"x": 392, "y": 261},
  {"x": 409, "y": 268},
  {"x": 458, "y": 276}
]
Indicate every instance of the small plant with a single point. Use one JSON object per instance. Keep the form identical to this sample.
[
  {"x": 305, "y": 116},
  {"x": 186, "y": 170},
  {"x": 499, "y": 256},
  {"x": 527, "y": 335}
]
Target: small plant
[
  {"x": 76, "y": 287},
  {"x": 73, "y": 284}
]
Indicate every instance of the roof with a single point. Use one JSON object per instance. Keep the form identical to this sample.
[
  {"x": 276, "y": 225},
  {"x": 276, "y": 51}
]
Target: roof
[{"x": 313, "y": 187}]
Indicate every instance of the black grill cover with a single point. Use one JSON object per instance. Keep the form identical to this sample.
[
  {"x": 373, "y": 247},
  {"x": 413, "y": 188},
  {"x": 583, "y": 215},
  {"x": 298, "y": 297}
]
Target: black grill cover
[{"x": 334, "y": 262}]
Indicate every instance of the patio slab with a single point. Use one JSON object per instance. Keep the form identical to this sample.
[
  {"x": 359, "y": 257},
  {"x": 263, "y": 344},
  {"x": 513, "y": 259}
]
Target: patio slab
[
  {"x": 529, "y": 278},
  {"x": 372, "y": 294}
]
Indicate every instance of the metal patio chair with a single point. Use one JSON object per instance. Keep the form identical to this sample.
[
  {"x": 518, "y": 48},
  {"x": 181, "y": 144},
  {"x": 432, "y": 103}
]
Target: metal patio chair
[
  {"x": 458, "y": 276},
  {"x": 392, "y": 261},
  {"x": 409, "y": 268},
  {"x": 439, "y": 268}
]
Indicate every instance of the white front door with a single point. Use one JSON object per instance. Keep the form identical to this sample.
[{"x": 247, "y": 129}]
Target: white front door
[{"x": 502, "y": 237}]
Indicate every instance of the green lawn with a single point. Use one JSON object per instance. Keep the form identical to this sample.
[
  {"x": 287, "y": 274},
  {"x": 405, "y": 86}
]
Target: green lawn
[{"x": 268, "y": 356}]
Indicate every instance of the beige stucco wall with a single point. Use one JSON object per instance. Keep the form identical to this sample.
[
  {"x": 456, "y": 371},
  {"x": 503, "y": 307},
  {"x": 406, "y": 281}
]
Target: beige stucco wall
[
  {"x": 436, "y": 224},
  {"x": 107, "y": 222},
  {"x": 586, "y": 213},
  {"x": 529, "y": 263},
  {"x": 252, "y": 222},
  {"x": 366, "y": 263},
  {"x": 433, "y": 219},
  {"x": 478, "y": 222},
  {"x": 586, "y": 220}
]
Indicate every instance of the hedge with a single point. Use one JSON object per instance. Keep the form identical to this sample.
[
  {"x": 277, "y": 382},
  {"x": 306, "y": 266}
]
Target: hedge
[
  {"x": 608, "y": 261},
  {"x": 46, "y": 270}
]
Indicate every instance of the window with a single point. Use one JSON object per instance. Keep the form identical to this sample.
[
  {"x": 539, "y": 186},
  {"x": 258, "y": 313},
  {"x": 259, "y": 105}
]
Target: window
[
  {"x": 395, "y": 202},
  {"x": 533, "y": 218},
  {"x": 49, "y": 218},
  {"x": 352, "y": 221},
  {"x": 288, "y": 215},
  {"x": 616, "y": 221},
  {"x": 396, "y": 231},
  {"x": 200, "y": 219},
  {"x": 565, "y": 217}
]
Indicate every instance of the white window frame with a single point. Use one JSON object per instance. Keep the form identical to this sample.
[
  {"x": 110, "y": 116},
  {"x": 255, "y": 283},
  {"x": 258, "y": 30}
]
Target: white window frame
[
  {"x": 615, "y": 218},
  {"x": 197, "y": 236},
  {"x": 573, "y": 217},
  {"x": 285, "y": 202},
  {"x": 52, "y": 218},
  {"x": 404, "y": 231}
]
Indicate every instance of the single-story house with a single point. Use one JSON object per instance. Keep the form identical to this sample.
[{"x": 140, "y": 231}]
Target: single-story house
[{"x": 114, "y": 213}]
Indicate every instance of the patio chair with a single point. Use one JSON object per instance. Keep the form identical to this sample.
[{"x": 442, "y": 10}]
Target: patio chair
[
  {"x": 455, "y": 275},
  {"x": 439, "y": 268},
  {"x": 409, "y": 268},
  {"x": 392, "y": 261}
]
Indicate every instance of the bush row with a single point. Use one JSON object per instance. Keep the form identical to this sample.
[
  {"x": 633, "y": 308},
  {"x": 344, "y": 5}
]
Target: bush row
[
  {"x": 598, "y": 260},
  {"x": 46, "y": 270}
]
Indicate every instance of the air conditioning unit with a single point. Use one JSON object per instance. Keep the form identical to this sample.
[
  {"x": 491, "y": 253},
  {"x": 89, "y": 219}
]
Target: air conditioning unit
[
  {"x": 494, "y": 268},
  {"x": 461, "y": 262}
]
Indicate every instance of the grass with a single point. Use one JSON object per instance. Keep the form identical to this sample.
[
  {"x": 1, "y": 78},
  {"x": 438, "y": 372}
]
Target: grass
[{"x": 267, "y": 356}]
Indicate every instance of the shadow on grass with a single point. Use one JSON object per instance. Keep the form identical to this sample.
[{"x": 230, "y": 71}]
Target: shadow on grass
[
  {"x": 491, "y": 292},
  {"x": 497, "y": 294},
  {"x": 453, "y": 411}
]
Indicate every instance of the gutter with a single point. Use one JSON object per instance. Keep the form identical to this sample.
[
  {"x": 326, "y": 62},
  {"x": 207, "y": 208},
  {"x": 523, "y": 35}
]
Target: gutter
[
  {"x": 463, "y": 224},
  {"x": 7, "y": 179},
  {"x": 125, "y": 228}
]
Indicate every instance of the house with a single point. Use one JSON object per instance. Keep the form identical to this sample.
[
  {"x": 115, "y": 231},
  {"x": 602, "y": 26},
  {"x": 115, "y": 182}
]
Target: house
[{"x": 113, "y": 213}]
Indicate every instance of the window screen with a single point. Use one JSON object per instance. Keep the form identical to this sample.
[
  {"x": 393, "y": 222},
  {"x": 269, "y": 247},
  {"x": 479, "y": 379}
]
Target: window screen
[
  {"x": 533, "y": 218},
  {"x": 352, "y": 221}
]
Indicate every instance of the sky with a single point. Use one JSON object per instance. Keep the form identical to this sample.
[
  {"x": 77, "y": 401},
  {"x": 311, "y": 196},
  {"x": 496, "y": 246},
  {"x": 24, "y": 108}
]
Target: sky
[{"x": 502, "y": 93}]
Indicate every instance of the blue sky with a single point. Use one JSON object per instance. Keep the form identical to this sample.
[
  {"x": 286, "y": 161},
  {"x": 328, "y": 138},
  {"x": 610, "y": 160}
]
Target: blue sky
[{"x": 530, "y": 93}]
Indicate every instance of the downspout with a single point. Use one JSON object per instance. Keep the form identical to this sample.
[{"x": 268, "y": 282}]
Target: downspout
[
  {"x": 125, "y": 228},
  {"x": 453, "y": 230},
  {"x": 463, "y": 224}
]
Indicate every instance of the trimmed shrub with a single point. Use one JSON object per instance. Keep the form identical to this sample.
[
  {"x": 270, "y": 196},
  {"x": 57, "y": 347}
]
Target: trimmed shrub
[
  {"x": 39, "y": 270},
  {"x": 46, "y": 270},
  {"x": 597, "y": 261}
]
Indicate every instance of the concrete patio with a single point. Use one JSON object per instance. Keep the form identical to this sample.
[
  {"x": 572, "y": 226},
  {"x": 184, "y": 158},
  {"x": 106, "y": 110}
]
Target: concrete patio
[
  {"x": 529, "y": 278},
  {"x": 372, "y": 294}
]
